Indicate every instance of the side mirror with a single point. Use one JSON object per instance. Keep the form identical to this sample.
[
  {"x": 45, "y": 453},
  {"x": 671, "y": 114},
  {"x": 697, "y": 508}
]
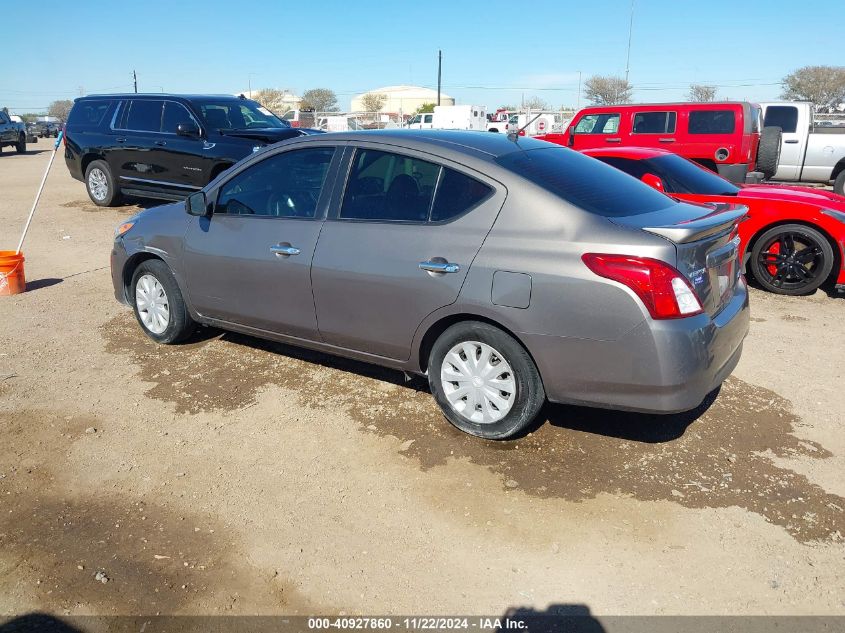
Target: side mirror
[
  {"x": 187, "y": 129},
  {"x": 653, "y": 181},
  {"x": 570, "y": 142},
  {"x": 197, "y": 204}
]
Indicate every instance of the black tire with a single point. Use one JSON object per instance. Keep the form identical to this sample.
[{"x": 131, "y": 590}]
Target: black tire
[
  {"x": 791, "y": 259},
  {"x": 839, "y": 183},
  {"x": 20, "y": 146},
  {"x": 111, "y": 196},
  {"x": 528, "y": 394},
  {"x": 768, "y": 152},
  {"x": 180, "y": 325}
]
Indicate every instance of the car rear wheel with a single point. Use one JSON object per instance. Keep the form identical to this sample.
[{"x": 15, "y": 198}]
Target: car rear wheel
[
  {"x": 159, "y": 307},
  {"x": 485, "y": 382},
  {"x": 20, "y": 146},
  {"x": 100, "y": 184},
  {"x": 791, "y": 259}
]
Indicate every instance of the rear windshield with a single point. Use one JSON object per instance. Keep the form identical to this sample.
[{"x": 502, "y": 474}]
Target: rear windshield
[
  {"x": 89, "y": 112},
  {"x": 678, "y": 174},
  {"x": 585, "y": 182}
]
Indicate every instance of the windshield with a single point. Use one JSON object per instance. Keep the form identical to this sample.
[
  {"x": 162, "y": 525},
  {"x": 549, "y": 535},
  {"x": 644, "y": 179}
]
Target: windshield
[
  {"x": 585, "y": 182},
  {"x": 680, "y": 175},
  {"x": 237, "y": 114}
]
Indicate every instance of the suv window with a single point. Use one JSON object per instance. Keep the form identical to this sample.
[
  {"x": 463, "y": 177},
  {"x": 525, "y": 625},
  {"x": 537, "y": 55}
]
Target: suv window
[
  {"x": 387, "y": 186},
  {"x": 456, "y": 194},
  {"x": 174, "y": 114},
  {"x": 144, "y": 116},
  {"x": 712, "y": 122},
  {"x": 584, "y": 182},
  {"x": 784, "y": 117},
  {"x": 88, "y": 112},
  {"x": 3, "y": 118},
  {"x": 654, "y": 123},
  {"x": 598, "y": 124},
  {"x": 286, "y": 185}
]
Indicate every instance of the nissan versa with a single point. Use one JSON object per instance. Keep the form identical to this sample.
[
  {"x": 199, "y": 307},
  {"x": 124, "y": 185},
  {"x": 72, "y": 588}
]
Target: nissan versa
[{"x": 507, "y": 272}]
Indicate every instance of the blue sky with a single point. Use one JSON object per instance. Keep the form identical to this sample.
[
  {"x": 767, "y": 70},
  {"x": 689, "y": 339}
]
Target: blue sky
[{"x": 493, "y": 52}]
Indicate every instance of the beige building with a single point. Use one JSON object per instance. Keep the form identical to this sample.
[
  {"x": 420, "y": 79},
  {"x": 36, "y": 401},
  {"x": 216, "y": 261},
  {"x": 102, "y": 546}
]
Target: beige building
[{"x": 403, "y": 99}]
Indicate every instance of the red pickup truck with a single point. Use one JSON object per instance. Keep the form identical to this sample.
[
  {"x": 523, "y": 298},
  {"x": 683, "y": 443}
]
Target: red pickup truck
[{"x": 725, "y": 137}]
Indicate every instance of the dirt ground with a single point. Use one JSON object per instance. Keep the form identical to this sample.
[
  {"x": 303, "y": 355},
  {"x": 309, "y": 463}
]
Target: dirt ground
[{"x": 235, "y": 476}]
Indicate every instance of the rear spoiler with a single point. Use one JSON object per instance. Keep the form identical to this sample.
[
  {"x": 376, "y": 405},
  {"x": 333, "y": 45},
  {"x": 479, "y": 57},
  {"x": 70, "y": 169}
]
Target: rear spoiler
[{"x": 722, "y": 220}]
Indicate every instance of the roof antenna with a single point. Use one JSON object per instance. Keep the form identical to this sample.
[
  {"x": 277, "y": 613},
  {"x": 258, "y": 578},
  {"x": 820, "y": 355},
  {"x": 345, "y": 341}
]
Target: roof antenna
[{"x": 514, "y": 136}]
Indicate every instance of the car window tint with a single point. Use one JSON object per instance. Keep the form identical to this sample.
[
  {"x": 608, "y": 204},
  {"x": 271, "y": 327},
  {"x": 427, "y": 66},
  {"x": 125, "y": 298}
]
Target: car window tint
[
  {"x": 387, "y": 186},
  {"x": 456, "y": 194},
  {"x": 712, "y": 122},
  {"x": 174, "y": 114},
  {"x": 654, "y": 123},
  {"x": 784, "y": 117},
  {"x": 144, "y": 116},
  {"x": 585, "y": 182},
  {"x": 88, "y": 112},
  {"x": 286, "y": 185},
  {"x": 598, "y": 124}
]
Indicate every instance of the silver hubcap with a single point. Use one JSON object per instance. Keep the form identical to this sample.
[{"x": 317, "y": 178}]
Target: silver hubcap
[
  {"x": 478, "y": 382},
  {"x": 152, "y": 303},
  {"x": 97, "y": 184}
]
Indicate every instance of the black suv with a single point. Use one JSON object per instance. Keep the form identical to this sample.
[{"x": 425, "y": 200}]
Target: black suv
[{"x": 163, "y": 146}]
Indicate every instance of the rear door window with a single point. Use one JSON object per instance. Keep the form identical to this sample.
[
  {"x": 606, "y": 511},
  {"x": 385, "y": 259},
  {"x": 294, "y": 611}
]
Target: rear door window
[
  {"x": 712, "y": 122},
  {"x": 585, "y": 182},
  {"x": 598, "y": 124},
  {"x": 389, "y": 187},
  {"x": 784, "y": 117},
  {"x": 654, "y": 123},
  {"x": 144, "y": 115},
  {"x": 457, "y": 193}
]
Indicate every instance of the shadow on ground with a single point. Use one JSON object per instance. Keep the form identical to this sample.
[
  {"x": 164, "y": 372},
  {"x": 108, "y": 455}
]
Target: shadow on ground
[{"x": 717, "y": 456}]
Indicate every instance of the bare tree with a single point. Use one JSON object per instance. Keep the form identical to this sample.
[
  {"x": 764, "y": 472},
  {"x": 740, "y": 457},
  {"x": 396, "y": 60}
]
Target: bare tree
[
  {"x": 319, "y": 100},
  {"x": 535, "y": 103},
  {"x": 606, "y": 90},
  {"x": 823, "y": 85},
  {"x": 60, "y": 109},
  {"x": 700, "y": 92},
  {"x": 272, "y": 99},
  {"x": 373, "y": 101}
]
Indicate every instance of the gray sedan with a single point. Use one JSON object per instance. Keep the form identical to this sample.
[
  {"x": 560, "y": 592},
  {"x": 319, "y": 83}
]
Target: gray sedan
[{"x": 507, "y": 272}]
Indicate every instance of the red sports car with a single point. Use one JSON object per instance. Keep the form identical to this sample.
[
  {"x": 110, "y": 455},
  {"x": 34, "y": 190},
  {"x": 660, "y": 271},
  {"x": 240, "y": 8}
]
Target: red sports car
[{"x": 794, "y": 238}]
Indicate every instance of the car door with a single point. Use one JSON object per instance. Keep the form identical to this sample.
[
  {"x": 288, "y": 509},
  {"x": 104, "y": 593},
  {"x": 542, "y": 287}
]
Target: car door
[
  {"x": 397, "y": 246},
  {"x": 792, "y": 142},
  {"x": 138, "y": 129},
  {"x": 598, "y": 129},
  {"x": 187, "y": 166},
  {"x": 249, "y": 263}
]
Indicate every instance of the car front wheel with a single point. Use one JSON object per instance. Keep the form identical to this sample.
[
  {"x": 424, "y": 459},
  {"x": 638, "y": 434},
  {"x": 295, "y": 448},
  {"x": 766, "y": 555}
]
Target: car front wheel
[
  {"x": 20, "y": 146},
  {"x": 485, "y": 382},
  {"x": 159, "y": 307}
]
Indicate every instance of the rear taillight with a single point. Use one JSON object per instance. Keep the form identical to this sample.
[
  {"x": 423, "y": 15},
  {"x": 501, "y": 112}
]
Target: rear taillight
[{"x": 664, "y": 291}]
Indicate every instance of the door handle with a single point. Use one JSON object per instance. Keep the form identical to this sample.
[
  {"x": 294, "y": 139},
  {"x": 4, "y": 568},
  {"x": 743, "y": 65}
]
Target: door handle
[
  {"x": 666, "y": 140},
  {"x": 792, "y": 141},
  {"x": 161, "y": 143},
  {"x": 280, "y": 250},
  {"x": 120, "y": 139},
  {"x": 613, "y": 140},
  {"x": 439, "y": 267}
]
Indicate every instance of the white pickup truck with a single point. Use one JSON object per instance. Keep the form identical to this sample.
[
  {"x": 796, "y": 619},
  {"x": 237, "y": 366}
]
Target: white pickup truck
[{"x": 809, "y": 152}]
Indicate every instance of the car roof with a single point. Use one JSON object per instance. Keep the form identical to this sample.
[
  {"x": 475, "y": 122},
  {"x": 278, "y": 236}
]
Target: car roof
[
  {"x": 637, "y": 153},
  {"x": 159, "y": 95},
  {"x": 479, "y": 143},
  {"x": 673, "y": 104}
]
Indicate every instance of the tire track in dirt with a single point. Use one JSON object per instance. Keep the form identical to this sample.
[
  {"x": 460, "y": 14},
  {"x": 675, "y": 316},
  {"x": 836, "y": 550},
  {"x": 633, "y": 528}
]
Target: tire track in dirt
[{"x": 717, "y": 456}]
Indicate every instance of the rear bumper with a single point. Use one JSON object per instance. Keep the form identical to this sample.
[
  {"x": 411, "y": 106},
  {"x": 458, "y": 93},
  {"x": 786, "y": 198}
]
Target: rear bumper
[
  {"x": 659, "y": 367},
  {"x": 735, "y": 172}
]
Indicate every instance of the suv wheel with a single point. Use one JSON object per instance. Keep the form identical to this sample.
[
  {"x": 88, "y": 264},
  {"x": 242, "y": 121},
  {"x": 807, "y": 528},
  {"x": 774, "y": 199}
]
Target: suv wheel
[
  {"x": 158, "y": 303},
  {"x": 100, "y": 184},
  {"x": 484, "y": 381},
  {"x": 20, "y": 146}
]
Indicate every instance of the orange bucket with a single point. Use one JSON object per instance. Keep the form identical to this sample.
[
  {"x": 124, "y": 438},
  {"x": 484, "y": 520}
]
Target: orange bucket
[{"x": 12, "y": 280}]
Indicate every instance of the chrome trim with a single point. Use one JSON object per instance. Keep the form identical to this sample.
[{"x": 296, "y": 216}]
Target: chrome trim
[
  {"x": 160, "y": 182},
  {"x": 439, "y": 267},
  {"x": 285, "y": 251}
]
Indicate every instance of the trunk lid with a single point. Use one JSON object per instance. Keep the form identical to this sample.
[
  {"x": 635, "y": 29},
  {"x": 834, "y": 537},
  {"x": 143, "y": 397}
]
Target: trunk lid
[{"x": 706, "y": 244}]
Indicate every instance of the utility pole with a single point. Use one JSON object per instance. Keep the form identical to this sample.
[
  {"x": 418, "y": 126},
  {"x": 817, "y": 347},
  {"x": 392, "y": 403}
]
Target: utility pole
[
  {"x": 630, "y": 31},
  {"x": 578, "y": 101},
  {"x": 439, "y": 73},
  {"x": 135, "y": 78}
]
